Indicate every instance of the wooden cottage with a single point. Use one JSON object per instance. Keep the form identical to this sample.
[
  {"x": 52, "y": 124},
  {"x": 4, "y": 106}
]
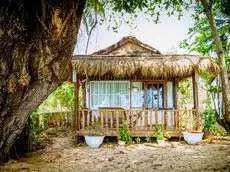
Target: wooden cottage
[{"x": 134, "y": 82}]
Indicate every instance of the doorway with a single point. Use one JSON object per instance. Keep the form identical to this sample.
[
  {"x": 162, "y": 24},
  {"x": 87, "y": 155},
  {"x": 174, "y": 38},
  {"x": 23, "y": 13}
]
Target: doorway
[{"x": 154, "y": 97}]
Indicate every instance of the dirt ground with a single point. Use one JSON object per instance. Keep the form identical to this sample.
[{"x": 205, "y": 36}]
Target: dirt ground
[{"x": 175, "y": 156}]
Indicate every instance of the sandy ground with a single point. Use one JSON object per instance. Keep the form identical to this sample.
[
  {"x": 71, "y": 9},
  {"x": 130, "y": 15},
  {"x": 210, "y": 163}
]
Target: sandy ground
[{"x": 175, "y": 156}]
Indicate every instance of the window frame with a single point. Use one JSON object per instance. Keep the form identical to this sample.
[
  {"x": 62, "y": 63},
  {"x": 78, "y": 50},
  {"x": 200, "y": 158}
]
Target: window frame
[
  {"x": 90, "y": 91},
  {"x": 165, "y": 90}
]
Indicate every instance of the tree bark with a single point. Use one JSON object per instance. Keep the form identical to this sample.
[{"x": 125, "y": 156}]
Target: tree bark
[
  {"x": 37, "y": 41},
  {"x": 224, "y": 73}
]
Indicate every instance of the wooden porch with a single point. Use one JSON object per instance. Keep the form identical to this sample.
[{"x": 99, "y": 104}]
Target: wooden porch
[{"x": 140, "y": 122}]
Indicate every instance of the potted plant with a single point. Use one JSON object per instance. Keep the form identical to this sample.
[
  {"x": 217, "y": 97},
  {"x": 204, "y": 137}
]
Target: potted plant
[
  {"x": 208, "y": 121},
  {"x": 193, "y": 136},
  {"x": 95, "y": 137},
  {"x": 124, "y": 135},
  {"x": 160, "y": 135}
]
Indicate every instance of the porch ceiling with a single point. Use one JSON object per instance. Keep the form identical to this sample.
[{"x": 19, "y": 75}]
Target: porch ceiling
[{"x": 148, "y": 67}]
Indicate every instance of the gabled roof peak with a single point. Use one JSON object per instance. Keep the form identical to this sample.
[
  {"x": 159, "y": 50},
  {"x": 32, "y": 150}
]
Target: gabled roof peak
[{"x": 128, "y": 45}]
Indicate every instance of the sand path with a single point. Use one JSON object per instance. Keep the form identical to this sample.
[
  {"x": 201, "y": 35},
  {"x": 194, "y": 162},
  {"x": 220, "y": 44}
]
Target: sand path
[{"x": 175, "y": 156}]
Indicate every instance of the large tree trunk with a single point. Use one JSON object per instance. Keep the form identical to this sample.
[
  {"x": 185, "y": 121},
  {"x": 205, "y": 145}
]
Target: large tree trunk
[
  {"x": 37, "y": 41},
  {"x": 224, "y": 74}
]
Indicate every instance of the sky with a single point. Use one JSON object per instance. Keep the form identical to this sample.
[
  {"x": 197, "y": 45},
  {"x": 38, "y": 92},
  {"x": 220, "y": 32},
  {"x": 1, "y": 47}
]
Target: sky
[{"x": 164, "y": 36}]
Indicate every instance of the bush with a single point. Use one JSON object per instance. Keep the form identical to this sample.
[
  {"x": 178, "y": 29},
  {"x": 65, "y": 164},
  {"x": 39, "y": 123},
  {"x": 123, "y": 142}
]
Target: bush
[
  {"x": 219, "y": 130},
  {"x": 148, "y": 138},
  {"x": 208, "y": 119},
  {"x": 51, "y": 131},
  {"x": 124, "y": 134},
  {"x": 159, "y": 134},
  {"x": 138, "y": 140}
]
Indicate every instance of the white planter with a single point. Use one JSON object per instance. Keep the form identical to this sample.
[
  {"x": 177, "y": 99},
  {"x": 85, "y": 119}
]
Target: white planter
[
  {"x": 193, "y": 138},
  {"x": 94, "y": 141},
  {"x": 161, "y": 142},
  {"x": 121, "y": 143}
]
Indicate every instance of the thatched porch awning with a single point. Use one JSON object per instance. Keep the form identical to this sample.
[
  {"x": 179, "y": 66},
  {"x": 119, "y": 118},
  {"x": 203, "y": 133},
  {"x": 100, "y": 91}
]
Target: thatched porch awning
[
  {"x": 129, "y": 58},
  {"x": 146, "y": 67}
]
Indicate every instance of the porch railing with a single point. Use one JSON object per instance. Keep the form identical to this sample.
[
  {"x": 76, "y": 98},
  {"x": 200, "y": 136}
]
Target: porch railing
[{"x": 137, "y": 120}]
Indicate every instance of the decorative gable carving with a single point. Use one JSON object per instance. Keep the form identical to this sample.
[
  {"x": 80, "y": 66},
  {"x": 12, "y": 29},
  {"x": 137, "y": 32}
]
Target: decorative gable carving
[{"x": 128, "y": 46}]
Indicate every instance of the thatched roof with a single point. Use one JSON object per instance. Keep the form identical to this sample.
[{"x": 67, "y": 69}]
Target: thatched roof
[
  {"x": 158, "y": 67},
  {"x": 128, "y": 45},
  {"x": 135, "y": 60}
]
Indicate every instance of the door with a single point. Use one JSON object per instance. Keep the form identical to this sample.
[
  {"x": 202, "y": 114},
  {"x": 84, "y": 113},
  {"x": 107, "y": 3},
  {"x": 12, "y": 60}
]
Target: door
[{"x": 154, "y": 98}]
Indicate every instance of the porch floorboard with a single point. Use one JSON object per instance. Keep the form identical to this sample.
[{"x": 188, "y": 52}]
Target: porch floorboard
[{"x": 139, "y": 133}]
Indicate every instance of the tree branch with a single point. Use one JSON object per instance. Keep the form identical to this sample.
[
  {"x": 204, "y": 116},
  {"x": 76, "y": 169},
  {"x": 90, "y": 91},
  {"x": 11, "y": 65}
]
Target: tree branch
[{"x": 94, "y": 25}]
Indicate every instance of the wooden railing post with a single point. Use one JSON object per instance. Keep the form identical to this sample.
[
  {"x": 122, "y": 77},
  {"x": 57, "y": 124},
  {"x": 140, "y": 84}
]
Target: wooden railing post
[
  {"x": 132, "y": 119},
  {"x": 106, "y": 119},
  {"x": 140, "y": 113},
  {"x": 146, "y": 113},
  {"x": 156, "y": 118},
  {"x": 111, "y": 119},
  {"x": 176, "y": 119},
  {"x": 166, "y": 119},
  {"x": 83, "y": 119},
  {"x": 92, "y": 120},
  {"x": 151, "y": 119},
  {"x": 101, "y": 117},
  {"x": 117, "y": 122}
]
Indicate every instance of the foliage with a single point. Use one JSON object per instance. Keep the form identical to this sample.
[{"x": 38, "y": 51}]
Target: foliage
[
  {"x": 42, "y": 125},
  {"x": 62, "y": 99},
  {"x": 200, "y": 39},
  {"x": 72, "y": 138},
  {"x": 185, "y": 93},
  {"x": 218, "y": 130},
  {"x": 125, "y": 134},
  {"x": 148, "y": 138},
  {"x": 208, "y": 118},
  {"x": 35, "y": 127},
  {"x": 159, "y": 133},
  {"x": 95, "y": 128},
  {"x": 93, "y": 9},
  {"x": 138, "y": 140},
  {"x": 126, "y": 12},
  {"x": 51, "y": 131}
]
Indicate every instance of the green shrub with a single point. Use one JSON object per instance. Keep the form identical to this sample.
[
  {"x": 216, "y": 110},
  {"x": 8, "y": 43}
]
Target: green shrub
[
  {"x": 138, "y": 140},
  {"x": 148, "y": 138},
  {"x": 219, "y": 130},
  {"x": 160, "y": 134},
  {"x": 51, "y": 131},
  {"x": 125, "y": 134},
  {"x": 208, "y": 119},
  {"x": 95, "y": 128}
]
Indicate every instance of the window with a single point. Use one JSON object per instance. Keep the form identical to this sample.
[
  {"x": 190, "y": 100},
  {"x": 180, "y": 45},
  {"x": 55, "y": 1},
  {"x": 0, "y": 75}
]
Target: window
[
  {"x": 155, "y": 95},
  {"x": 170, "y": 94},
  {"x": 109, "y": 94},
  {"x": 137, "y": 95}
]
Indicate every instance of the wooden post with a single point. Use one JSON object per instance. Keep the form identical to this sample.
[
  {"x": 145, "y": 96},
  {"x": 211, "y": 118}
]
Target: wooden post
[
  {"x": 117, "y": 122},
  {"x": 151, "y": 119},
  {"x": 76, "y": 122},
  {"x": 83, "y": 87},
  {"x": 175, "y": 94},
  {"x": 195, "y": 97}
]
